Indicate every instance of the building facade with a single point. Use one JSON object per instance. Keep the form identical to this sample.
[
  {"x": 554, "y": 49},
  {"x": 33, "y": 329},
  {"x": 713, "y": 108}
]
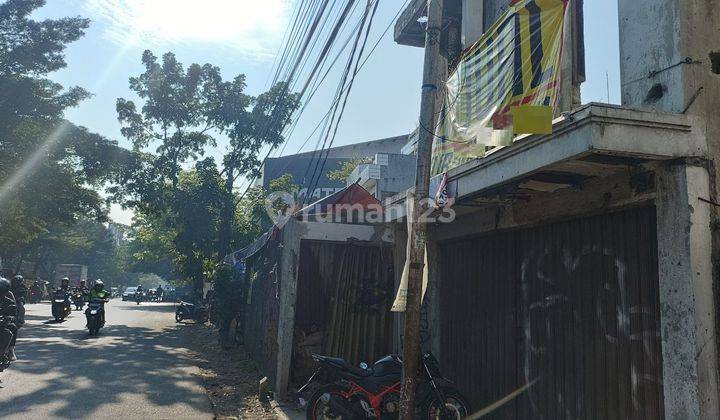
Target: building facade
[
  {"x": 302, "y": 166},
  {"x": 580, "y": 267}
]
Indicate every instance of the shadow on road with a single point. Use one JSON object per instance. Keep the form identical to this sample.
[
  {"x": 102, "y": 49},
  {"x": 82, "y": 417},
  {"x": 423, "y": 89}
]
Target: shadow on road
[
  {"x": 149, "y": 307},
  {"x": 84, "y": 375}
]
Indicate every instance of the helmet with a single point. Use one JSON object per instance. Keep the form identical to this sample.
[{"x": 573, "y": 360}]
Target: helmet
[
  {"x": 99, "y": 285},
  {"x": 4, "y": 286},
  {"x": 65, "y": 280},
  {"x": 17, "y": 280},
  {"x": 82, "y": 282}
]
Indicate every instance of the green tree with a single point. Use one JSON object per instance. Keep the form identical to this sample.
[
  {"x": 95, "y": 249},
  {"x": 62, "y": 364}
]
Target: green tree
[
  {"x": 347, "y": 168},
  {"x": 250, "y": 129},
  {"x": 179, "y": 115},
  {"x": 149, "y": 248},
  {"x": 183, "y": 113},
  {"x": 251, "y": 214},
  {"x": 86, "y": 242},
  {"x": 200, "y": 200},
  {"x": 50, "y": 167}
]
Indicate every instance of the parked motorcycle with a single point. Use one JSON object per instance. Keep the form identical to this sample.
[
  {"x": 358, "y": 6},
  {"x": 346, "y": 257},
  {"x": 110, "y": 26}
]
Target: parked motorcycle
[
  {"x": 350, "y": 392},
  {"x": 187, "y": 310},
  {"x": 94, "y": 314},
  {"x": 61, "y": 308}
]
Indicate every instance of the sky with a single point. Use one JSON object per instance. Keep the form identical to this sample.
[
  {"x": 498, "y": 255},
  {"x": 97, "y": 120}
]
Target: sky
[{"x": 244, "y": 37}]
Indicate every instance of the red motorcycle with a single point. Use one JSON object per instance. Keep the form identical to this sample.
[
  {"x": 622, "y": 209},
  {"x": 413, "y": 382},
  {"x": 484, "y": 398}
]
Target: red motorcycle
[{"x": 347, "y": 392}]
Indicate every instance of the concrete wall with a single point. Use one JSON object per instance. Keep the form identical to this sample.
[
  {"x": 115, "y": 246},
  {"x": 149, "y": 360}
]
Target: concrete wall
[
  {"x": 292, "y": 235},
  {"x": 655, "y": 36},
  {"x": 389, "y": 174},
  {"x": 397, "y": 173},
  {"x": 690, "y": 371},
  {"x": 600, "y": 195},
  {"x": 649, "y": 41},
  {"x": 472, "y": 21}
]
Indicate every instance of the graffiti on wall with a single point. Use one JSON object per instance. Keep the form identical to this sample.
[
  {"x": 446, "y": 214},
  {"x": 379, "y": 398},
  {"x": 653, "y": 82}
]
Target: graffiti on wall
[{"x": 566, "y": 316}]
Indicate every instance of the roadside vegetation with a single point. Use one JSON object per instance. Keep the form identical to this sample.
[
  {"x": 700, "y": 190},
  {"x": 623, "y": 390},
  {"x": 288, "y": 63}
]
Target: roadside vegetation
[{"x": 193, "y": 137}]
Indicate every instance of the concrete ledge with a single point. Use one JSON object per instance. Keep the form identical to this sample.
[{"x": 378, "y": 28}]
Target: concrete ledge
[
  {"x": 407, "y": 29},
  {"x": 593, "y": 130}
]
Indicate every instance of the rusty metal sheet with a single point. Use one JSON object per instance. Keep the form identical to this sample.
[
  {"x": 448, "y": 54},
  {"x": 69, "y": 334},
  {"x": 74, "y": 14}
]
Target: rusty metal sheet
[
  {"x": 262, "y": 309},
  {"x": 573, "y": 306},
  {"x": 344, "y": 293}
]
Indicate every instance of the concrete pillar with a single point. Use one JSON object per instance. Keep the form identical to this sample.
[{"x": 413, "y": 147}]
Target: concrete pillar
[
  {"x": 656, "y": 37},
  {"x": 668, "y": 54},
  {"x": 690, "y": 365},
  {"x": 472, "y": 21},
  {"x": 288, "y": 274}
]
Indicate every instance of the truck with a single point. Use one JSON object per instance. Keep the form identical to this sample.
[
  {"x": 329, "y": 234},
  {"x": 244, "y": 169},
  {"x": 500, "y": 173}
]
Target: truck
[{"x": 75, "y": 272}]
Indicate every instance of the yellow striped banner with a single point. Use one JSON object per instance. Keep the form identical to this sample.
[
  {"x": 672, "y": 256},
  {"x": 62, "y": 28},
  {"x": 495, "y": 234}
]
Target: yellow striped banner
[{"x": 512, "y": 71}]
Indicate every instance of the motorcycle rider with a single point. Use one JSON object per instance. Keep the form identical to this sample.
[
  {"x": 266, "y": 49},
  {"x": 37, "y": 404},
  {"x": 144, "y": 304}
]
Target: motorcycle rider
[
  {"x": 8, "y": 329},
  {"x": 64, "y": 291},
  {"x": 18, "y": 287},
  {"x": 20, "y": 291},
  {"x": 65, "y": 287},
  {"x": 36, "y": 292},
  {"x": 80, "y": 294},
  {"x": 159, "y": 293},
  {"x": 139, "y": 292},
  {"x": 98, "y": 292}
]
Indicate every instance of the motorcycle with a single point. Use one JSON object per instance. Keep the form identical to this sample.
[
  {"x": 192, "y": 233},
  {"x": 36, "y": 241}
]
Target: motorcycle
[
  {"x": 139, "y": 297},
  {"x": 94, "y": 314},
  {"x": 78, "y": 300},
  {"x": 187, "y": 310},
  {"x": 5, "y": 362},
  {"x": 61, "y": 308},
  {"x": 35, "y": 295},
  {"x": 348, "y": 392},
  {"x": 20, "y": 312}
]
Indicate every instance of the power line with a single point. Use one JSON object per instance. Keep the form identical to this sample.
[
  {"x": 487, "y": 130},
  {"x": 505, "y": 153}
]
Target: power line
[
  {"x": 339, "y": 95},
  {"x": 347, "y": 94},
  {"x": 336, "y": 100}
]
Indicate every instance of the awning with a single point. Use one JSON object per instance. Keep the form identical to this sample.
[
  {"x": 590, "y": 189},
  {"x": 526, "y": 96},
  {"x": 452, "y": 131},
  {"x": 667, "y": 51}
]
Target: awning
[{"x": 253, "y": 248}]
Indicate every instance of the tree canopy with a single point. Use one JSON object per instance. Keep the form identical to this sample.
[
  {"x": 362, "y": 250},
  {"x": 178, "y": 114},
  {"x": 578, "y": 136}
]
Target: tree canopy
[
  {"x": 188, "y": 214},
  {"x": 191, "y": 216},
  {"x": 50, "y": 169}
]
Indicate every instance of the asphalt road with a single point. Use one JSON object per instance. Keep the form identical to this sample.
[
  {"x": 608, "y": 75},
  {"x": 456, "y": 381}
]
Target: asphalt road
[{"x": 137, "y": 368}]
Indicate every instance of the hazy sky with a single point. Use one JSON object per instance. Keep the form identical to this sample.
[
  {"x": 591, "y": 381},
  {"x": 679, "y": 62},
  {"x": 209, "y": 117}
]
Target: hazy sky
[{"x": 243, "y": 36}]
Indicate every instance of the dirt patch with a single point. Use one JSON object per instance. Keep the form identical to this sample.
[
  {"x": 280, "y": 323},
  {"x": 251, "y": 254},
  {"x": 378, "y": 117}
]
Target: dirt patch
[{"x": 230, "y": 377}]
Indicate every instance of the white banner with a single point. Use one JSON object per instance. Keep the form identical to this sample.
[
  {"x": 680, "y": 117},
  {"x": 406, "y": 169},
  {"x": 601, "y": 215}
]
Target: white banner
[{"x": 401, "y": 299}]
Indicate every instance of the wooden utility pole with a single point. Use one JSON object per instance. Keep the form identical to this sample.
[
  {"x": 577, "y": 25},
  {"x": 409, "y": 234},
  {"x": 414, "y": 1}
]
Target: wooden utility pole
[{"x": 418, "y": 232}]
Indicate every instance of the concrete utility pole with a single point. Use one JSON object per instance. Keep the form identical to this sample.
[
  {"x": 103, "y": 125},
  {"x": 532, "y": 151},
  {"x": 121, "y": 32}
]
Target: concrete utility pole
[{"x": 431, "y": 76}]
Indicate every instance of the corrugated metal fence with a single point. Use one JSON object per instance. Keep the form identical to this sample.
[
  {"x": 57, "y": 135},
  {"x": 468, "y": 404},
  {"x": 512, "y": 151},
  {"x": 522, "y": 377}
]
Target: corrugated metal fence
[
  {"x": 573, "y": 305},
  {"x": 345, "y": 291},
  {"x": 262, "y": 309}
]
